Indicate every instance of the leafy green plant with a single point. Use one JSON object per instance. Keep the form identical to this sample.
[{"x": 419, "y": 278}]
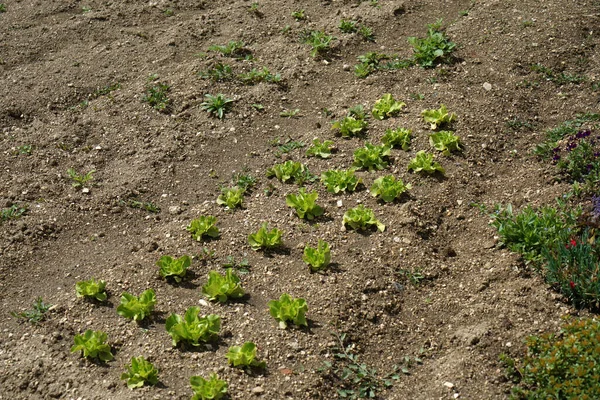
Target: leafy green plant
[
  {"x": 287, "y": 309},
  {"x": 371, "y": 157},
  {"x": 205, "y": 225},
  {"x": 93, "y": 345},
  {"x": 317, "y": 258},
  {"x": 288, "y": 145},
  {"x": 254, "y": 9},
  {"x": 445, "y": 141},
  {"x": 192, "y": 329},
  {"x": 12, "y": 212},
  {"x": 399, "y": 137},
  {"x": 37, "y": 312},
  {"x": 91, "y": 289},
  {"x": 265, "y": 238},
  {"x": 578, "y": 158},
  {"x": 347, "y": 26},
  {"x": 369, "y": 63},
  {"x": 290, "y": 171},
  {"x": 244, "y": 181},
  {"x": 433, "y": 49},
  {"x": 567, "y": 128},
  {"x": 559, "y": 79},
  {"x": 340, "y": 181},
  {"x": 318, "y": 40},
  {"x": 231, "y": 197},
  {"x": 2, "y": 8},
  {"x": 304, "y": 204},
  {"x": 439, "y": 117},
  {"x": 423, "y": 162},
  {"x": 388, "y": 188},
  {"x": 350, "y": 126},
  {"x": 79, "y": 179},
  {"x": 216, "y": 105},
  {"x": 222, "y": 287},
  {"x": 219, "y": 73},
  {"x": 242, "y": 266},
  {"x": 146, "y": 205},
  {"x": 561, "y": 366},
  {"x": 299, "y": 15},
  {"x": 235, "y": 49},
  {"x": 290, "y": 113},
  {"x": 156, "y": 95},
  {"x": 212, "y": 388},
  {"x": 137, "y": 308},
  {"x": 320, "y": 149},
  {"x": 140, "y": 372},
  {"x": 174, "y": 268},
  {"x": 366, "y": 33},
  {"x": 255, "y": 76},
  {"x": 361, "y": 218},
  {"x": 244, "y": 356}
]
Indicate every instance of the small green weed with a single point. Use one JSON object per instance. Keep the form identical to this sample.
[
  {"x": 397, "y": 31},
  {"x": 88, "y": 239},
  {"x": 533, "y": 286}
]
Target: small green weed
[
  {"x": 558, "y": 79},
  {"x": 144, "y": 205},
  {"x": 366, "y": 33},
  {"x": 567, "y": 128},
  {"x": 2, "y": 8},
  {"x": 242, "y": 266},
  {"x": 255, "y": 76},
  {"x": 295, "y": 113},
  {"x": 36, "y": 314},
  {"x": 12, "y": 212},
  {"x": 216, "y": 105},
  {"x": 347, "y": 26},
  {"x": 156, "y": 95},
  {"x": 234, "y": 49},
  {"x": 318, "y": 40},
  {"x": 219, "y": 73},
  {"x": 79, "y": 179},
  {"x": 434, "y": 49},
  {"x": 299, "y": 15}
]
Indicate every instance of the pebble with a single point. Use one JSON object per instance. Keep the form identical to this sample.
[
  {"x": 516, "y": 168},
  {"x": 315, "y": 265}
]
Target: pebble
[
  {"x": 174, "y": 210},
  {"x": 85, "y": 190},
  {"x": 449, "y": 385},
  {"x": 487, "y": 86},
  {"x": 258, "y": 390}
]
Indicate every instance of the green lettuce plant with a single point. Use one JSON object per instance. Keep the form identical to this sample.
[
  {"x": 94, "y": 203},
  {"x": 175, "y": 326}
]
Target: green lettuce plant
[
  {"x": 192, "y": 329},
  {"x": 386, "y": 107},
  {"x": 317, "y": 258},
  {"x": 287, "y": 309},
  {"x": 439, "y": 117},
  {"x": 433, "y": 49},
  {"x": 350, "y": 126},
  {"x": 290, "y": 171},
  {"x": 221, "y": 287},
  {"x": 137, "y": 308},
  {"x": 205, "y": 225},
  {"x": 231, "y": 197},
  {"x": 244, "y": 356},
  {"x": 397, "y": 138},
  {"x": 423, "y": 162},
  {"x": 445, "y": 141},
  {"x": 361, "y": 218},
  {"x": 140, "y": 372},
  {"x": 371, "y": 157},
  {"x": 212, "y": 388},
  {"x": 304, "y": 204},
  {"x": 388, "y": 188},
  {"x": 91, "y": 289},
  {"x": 175, "y": 268},
  {"x": 265, "y": 238},
  {"x": 340, "y": 181},
  {"x": 92, "y": 344},
  {"x": 320, "y": 149}
]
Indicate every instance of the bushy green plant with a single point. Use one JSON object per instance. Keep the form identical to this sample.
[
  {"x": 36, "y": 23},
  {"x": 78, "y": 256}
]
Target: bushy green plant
[
  {"x": 192, "y": 329},
  {"x": 12, "y": 212},
  {"x": 388, "y": 188},
  {"x": 212, "y": 388},
  {"x": 305, "y": 204},
  {"x": 320, "y": 149},
  {"x": 156, "y": 95},
  {"x": 205, "y": 225},
  {"x": 235, "y": 49},
  {"x": 222, "y": 287},
  {"x": 445, "y": 141},
  {"x": 299, "y": 15},
  {"x": 91, "y": 289},
  {"x": 439, "y": 117},
  {"x": 423, "y": 162},
  {"x": 350, "y": 126},
  {"x": 231, "y": 197},
  {"x": 265, "y": 238},
  {"x": 216, "y": 105},
  {"x": 174, "y": 268},
  {"x": 399, "y": 137},
  {"x": 79, "y": 179},
  {"x": 579, "y": 158},
  {"x": 433, "y": 49},
  {"x": 290, "y": 171},
  {"x": 287, "y": 309},
  {"x": 371, "y": 157},
  {"x": 318, "y": 40},
  {"x": 317, "y": 258},
  {"x": 337, "y": 181},
  {"x": 361, "y": 218},
  {"x": 347, "y": 26},
  {"x": 561, "y": 366},
  {"x": 255, "y": 76},
  {"x": 92, "y": 344},
  {"x": 219, "y": 73},
  {"x": 386, "y": 107},
  {"x": 137, "y": 308},
  {"x": 140, "y": 372},
  {"x": 244, "y": 356},
  {"x": 366, "y": 33}
]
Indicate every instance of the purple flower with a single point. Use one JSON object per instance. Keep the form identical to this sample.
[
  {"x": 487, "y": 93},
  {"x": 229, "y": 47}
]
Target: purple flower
[{"x": 596, "y": 205}]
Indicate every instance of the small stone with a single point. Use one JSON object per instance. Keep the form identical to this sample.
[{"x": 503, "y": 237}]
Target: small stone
[
  {"x": 487, "y": 86},
  {"x": 85, "y": 190},
  {"x": 340, "y": 203},
  {"x": 257, "y": 391},
  {"x": 346, "y": 67},
  {"x": 203, "y": 303},
  {"x": 449, "y": 385},
  {"x": 174, "y": 210}
]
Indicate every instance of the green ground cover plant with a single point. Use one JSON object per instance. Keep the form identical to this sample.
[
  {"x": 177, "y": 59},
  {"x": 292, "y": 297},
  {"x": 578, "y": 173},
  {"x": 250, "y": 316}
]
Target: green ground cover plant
[
  {"x": 233, "y": 49},
  {"x": 12, "y": 212},
  {"x": 191, "y": 329},
  {"x": 387, "y": 107},
  {"x": 337, "y": 180},
  {"x": 156, "y": 94},
  {"x": 348, "y": 26},
  {"x": 350, "y": 126},
  {"x": 140, "y": 372},
  {"x": 438, "y": 118},
  {"x": 388, "y": 188},
  {"x": 218, "y": 73},
  {"x": 79, "y": 179},
  {"x": 265, "y": 239},
  {"x": 305, "y": 204},
  {"x": 320, "y": 149},
  {"x": 290, "y": 171},
  {"x": 445, "y": 141},
  {"x": 212, "y": 388},
  {"x": 399, "y": 137},
  {"x": 223, "y": 287},
  {"x": 318, "y": 258},
  {"x": 216, "y": 105},
  {"x": 361, "y": 218},
  {"x": 371, "y": 157},
  {"x": 244, "y": 356},
  {"x": 205, "y": 225},
  {"x": 174, "y": 268},
  {"x": 92, "y": 344},
  {"x": 36, "y": 314},
  {"x": 558, "y": 78},
  {"x": 423, "y": 162},
  {"x": 255, "y": 76},
  {"x": 578, "y": 159},
  {"x": 145, "y": 205},
  {"x": 567, "y": 128},
  {"x": 366, "y": 33},
  {"x": 288, "y": 310},
  {"x": 231, "y": 197},
  {"x": 91, "y": 289},
  {"x": 319, "y": 41},
  {"x": 433, "y": 49},
  {"x": 137, "y": 308}
]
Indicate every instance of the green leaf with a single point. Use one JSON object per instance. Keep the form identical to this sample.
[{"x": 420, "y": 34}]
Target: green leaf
[
  {"x": 361, "y": 218},
  {"x": 371, "y": 157},
  {"x": 137, "y": 308},
  {"x": 221, "y": 287},
  {"x": 339, "y": 180},
  {"x": 208, "y": 389},
  {"x": 244, "y": 356},
  {"x": 423, "y": 162},
  {"x": 192, "y": 329},
  {"x": 140, "y": 372},
  {"x": 91, "y": 289},
  {"x": 397, "y": 138},
  {"x": 93, "y": 346},
  {"x": 304, "y": 204},
  {"x": 203, "y": 226},
  {"x": 265, "y": 238},
  {"x": 320, "y": 149},
  {"x": 231, "y": 197},
  {"x": 350, "y": 126},
  {"x": 175, "y": 268},
  {"x": 290, "y": 171},
  {"x": 387, "y": 107},
  {"x": 445, "y": 141},
  {"x": 439, "y": 117},
  {"x": 317, "y": 258},
  {"x": 287, "y": 309},
  {"x": 388, "y": 188}
]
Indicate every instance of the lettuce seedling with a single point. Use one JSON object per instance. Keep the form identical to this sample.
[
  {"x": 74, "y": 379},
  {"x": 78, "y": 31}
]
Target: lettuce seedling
[
  {"x": 388, "y": 188},
  {"x": 91, "y": 289},
  {"x": 397, "y": 138},
  {"x": 221, "y": 287},
  {"x": 265, "y": 238},
  {"x": 386, "y": 107},
  {"x": 212, "y": 388},
  {"x": 438, "y": 118},
  {"x": 290, "y": 171},
  {"x": 361, "y": 218},
  {"x": 191, "y": 329},
  {"x": 175, "y": 268},
  {"x": 350, "y": 126},
  {"x": 137, "y": 308},
  {"x": 445, "y": 141},
  {"x": 336, "y": 180},
  {"x": 320, "y": 149},
  {"x": 371, "y": 157},
  {"x": 423, "y": 162},
  {"x": 231, "y": 197},
  {"x": 140, "y": 372},
  {"x": 317, "y": 258},
  {"x": 304, "y": 204},
  {"x": 203, "y": 226},
  {"x": 244, "y": 356},
  {"x": 93, "y": 346},
  {"x": 287, "y": 309}
]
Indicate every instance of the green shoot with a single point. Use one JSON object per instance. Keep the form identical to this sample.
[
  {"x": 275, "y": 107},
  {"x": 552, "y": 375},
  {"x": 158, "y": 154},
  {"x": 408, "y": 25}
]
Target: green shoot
[
  {"x": 244, "y": 356},
  {"x": 79, "y": 179},
  {"x": 318, "y": 40},
  {"x": 445, "y": 141},
  {"x": 36, "y": 314},
  {"x": 387, "y": 107},
  {"x": 91, "y": 289},
  {"x": 317, "y": 258},
  {"x": 287, "y": 309},
  {"x": 304, "y": 204},
  {"x": 361, "y": 218},
  {"x": 216, "y": 105},
  {"x": 222, "y": 287}
]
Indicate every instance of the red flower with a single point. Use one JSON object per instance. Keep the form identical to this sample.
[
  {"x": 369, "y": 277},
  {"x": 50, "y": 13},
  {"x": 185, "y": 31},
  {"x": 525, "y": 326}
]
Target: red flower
[
  {"x": 572, "y": 284},
  {"x": 573, "y": 242}
]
